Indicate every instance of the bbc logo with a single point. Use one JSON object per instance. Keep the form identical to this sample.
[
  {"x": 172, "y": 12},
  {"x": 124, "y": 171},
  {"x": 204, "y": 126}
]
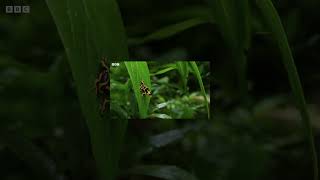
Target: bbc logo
[{"x": 17, "y": 9}]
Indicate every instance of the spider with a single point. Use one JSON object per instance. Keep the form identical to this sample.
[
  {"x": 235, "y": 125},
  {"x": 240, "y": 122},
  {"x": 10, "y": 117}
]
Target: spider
[
  {"x": 144, "y": 89},
  {"x": 103, "y": 105},
  {"x": 101, "y": 83},
  {"x": 102, "y": 87}
]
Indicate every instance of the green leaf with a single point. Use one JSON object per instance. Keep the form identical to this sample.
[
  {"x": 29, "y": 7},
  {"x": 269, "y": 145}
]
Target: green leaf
[
  {"x": 6, "y": 62},
  {"x": 183, "y": 68},
  {"x": 90, "y": 30},
  {"x": 203, "y": 92},
  {"x": 169, "y": 31},
  {"x": 274, "y": 23},
  {"x": 187, "y": 12},
  {"x": 33, "y": 157},
  {"x": 162, "y": 71},
  {"x": 232, "y": 18},
  {"x": 139, "y": 71},
  {"x": 168, "y": 137},
  {"x": 162, "y": 171},
  {"x": 160, "y": 116}
]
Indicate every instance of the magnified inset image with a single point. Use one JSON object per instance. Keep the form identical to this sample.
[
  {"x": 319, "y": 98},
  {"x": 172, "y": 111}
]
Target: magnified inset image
[{"x": 157, "y": 90}]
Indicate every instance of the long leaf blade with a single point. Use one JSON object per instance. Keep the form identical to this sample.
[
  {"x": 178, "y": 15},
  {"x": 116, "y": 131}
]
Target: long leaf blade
[
  {"x": 163, "y": 171},
  {"x": 199, "y": 78},
  {"x": 139, "y": 71},
  {"x": 182, "y": 67},
  {"x": 232, "y": 19},
  {"x": 89, "y": 31},
  {"x": 169, "y": 31},
  {"x": 274, "y": 23}
]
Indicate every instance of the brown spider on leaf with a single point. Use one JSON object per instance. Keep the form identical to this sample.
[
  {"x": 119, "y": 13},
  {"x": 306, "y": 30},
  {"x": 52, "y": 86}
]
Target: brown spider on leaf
[{"x": 102, "y": 87}]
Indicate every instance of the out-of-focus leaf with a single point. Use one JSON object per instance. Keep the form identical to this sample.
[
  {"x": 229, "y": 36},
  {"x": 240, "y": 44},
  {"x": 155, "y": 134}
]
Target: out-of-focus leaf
[
  {"x": 6, "y": 62},
  {"x": 168, "y": 137},
  {"x": 232, "y": 18},
  {"x": 168, "y": 31},
  {"x": 90, "y": 30},
  {"x": 160, "y": 116},
  {"x": 163, "y": 171},
  {"x": 274, "y": 23},
  {"x": 187, "y": 12},
  {"x": 35, "y": 158}
]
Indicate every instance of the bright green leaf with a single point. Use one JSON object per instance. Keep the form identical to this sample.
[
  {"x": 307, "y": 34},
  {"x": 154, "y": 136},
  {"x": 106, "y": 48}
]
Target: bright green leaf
[
  {"x": 139, "y": 71},
  {"x": 199, "y": 78},
  {"x": 182, "y": 67}
]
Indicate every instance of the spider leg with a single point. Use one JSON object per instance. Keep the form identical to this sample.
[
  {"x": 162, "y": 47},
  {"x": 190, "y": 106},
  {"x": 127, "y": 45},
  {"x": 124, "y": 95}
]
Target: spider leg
[
  {"x": 103, "y": 63},
  {"x": 103, "y": 106}
]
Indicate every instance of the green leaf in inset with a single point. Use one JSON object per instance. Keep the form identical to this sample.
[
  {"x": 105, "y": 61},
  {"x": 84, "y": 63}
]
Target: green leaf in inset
[
  {"x": 199, "y": 78},
  {"x": 139, "y": 71},
  {"x": 183, "y": 68},
  {"x": 162, "y": 71}
]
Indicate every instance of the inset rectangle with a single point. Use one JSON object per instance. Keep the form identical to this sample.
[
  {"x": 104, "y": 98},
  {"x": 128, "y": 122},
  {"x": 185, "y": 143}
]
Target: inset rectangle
[{"x": 160, "y": 90}]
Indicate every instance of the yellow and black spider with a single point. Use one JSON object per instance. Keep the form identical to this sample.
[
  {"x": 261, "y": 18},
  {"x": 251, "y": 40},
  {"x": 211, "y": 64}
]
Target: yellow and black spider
[{"x": 144, "y": 89}]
